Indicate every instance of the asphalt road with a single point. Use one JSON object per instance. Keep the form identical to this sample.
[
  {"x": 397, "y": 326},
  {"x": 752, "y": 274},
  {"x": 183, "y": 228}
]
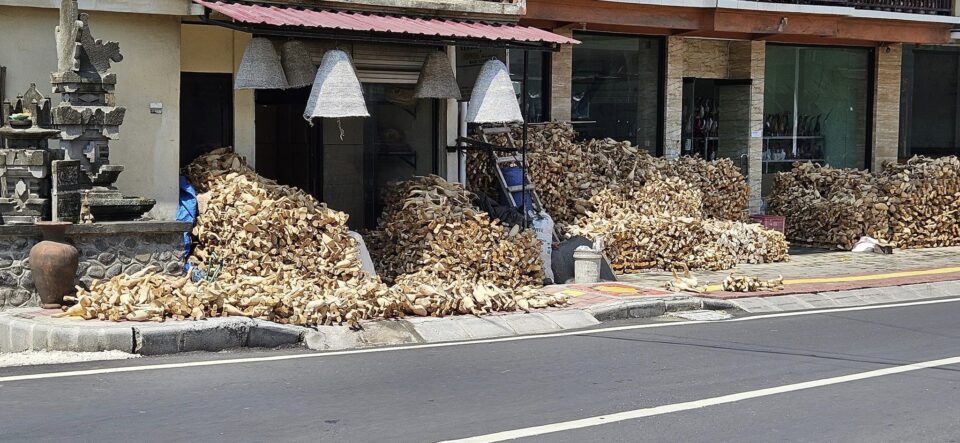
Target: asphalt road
[{"x": 452, "y": 392}]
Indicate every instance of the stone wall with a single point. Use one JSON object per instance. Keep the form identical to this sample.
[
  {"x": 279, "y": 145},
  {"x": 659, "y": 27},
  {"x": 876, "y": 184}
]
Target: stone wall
[
  {"x": 106, "y": 250},
  {"x": 561, "y": 79}
]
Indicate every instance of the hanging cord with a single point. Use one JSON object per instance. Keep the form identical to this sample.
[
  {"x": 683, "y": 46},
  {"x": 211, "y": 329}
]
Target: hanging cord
[{"x": 340, "y": 127}]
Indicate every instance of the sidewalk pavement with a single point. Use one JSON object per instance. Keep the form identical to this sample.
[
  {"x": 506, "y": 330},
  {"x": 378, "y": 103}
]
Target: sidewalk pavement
[{"x": 816, "y": 278}]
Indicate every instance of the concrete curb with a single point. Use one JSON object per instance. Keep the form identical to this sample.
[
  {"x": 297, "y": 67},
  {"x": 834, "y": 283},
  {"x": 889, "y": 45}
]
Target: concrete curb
[
  {"x": 30, "y": 329},
  {"x": 418, "y": 330},
  {"x": 23, "y": 330}
]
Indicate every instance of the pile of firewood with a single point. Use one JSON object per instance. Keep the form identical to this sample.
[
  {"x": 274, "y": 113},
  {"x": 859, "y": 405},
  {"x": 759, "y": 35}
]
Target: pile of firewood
[
  {"x": 568, "y": 172},
  {"x": 923, "y": 200},
  {"x": 639, "y": 236},
  {"x": 430, "y": 227},
  {"x": 275, "y": 253},
  {"x": 725, "y": 191},
  {"x": 909, "y": 205}
]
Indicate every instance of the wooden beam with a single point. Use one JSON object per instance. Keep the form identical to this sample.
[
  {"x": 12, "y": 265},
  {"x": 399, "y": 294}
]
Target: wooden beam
[
  {"x": 623, "y": 14},
  {"x": 728, "y": 23},
  {"x": 767, "y": 23}
]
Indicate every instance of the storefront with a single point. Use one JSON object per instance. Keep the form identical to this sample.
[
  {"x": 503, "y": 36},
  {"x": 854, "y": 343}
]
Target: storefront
[
  {"x": 930, "y": 101},
  {"x": 817, "y": 108},
  {"x": 350, "y": 162},
  {"x": 617, "y": 85}
]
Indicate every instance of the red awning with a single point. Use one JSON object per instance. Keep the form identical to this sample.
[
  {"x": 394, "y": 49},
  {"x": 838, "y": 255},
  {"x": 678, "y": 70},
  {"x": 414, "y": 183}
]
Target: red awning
[{"x": 350, "y": 21}]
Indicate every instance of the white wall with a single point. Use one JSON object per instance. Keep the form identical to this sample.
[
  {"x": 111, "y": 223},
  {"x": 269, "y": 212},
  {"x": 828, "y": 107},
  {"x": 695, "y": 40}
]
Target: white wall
[{"x": 150, "y": 73}]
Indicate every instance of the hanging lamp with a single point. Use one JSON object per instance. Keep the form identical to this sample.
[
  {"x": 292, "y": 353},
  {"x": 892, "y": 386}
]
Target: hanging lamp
[
  {"x": 336, "y": 89},
  {"x": 260, "y": 67},
  {"x": 493, "y": 99},
  {"x": 297, "y": 66},
  {"x": 436, "y": 78}
]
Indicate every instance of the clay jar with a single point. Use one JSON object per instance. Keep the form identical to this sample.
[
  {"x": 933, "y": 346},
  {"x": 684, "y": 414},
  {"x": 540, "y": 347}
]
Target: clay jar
[{"x": 53, "y": 264}]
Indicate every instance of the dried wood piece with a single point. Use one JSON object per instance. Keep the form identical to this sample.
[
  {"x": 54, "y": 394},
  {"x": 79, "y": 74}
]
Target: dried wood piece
[{"x": 743, "y": 283}]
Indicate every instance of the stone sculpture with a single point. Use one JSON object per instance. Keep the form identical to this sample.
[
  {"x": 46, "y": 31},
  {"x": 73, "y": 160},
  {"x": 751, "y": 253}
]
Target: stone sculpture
[
  {"x": 25, "y": 159},
  {"x": 88, "y": 119}
]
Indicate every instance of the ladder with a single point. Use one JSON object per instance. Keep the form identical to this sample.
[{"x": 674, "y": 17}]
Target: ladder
[{"x": 497, "y": 163}]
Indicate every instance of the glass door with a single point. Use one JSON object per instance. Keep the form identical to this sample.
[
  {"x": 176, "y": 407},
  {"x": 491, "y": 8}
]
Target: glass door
[
  {"x": 716, "y": 119},
  {"x": 816, "y": 107}
]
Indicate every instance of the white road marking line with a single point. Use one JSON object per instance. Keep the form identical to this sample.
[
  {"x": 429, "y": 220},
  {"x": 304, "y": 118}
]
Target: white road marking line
[
  {"x": 698, "y": 404},
  {"x": 231, "y": 361}
]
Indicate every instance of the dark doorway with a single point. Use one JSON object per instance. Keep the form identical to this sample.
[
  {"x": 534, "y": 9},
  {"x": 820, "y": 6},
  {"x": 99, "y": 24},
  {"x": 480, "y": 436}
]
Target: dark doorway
[
  {"x": 206, "y": 113},
  {"x": 347, "y": 163},
  {"x": 288, "y": 149}
]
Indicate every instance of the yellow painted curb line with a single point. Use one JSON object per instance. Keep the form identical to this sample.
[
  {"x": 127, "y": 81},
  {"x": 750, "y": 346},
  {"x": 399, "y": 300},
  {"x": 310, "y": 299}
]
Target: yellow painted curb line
[{"x": 853, "y": 278}]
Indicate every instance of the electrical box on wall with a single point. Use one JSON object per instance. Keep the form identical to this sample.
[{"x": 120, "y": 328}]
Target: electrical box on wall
[{"x": 156, "y": 108}]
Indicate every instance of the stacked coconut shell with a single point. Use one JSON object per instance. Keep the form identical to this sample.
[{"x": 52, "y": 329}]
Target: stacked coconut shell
[
  {"x": 275, "y": 253},
  {"x": 911, "y": 205},
  {"x": 430, "y": 228}
]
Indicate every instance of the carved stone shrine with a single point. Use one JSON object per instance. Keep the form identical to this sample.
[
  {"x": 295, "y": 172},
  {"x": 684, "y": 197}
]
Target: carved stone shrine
[
  {"x": 25, "y": 159},
  {"x": 88, "y": 119}
]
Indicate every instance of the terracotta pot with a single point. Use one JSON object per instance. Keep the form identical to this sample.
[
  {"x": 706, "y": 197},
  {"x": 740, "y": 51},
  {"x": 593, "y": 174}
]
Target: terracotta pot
[{"x": 53, "y": 264}]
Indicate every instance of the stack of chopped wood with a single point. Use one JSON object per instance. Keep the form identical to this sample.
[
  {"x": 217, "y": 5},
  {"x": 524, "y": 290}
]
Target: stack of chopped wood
[
  {"x": 286, "y": 258},
  {"x": 430, "y": 227},
  {"x": 827, "y": 206},
  {"x": 567, "y": 172},
  {"x": 659, "y": 225},
  {"x": 725, "y": 192},
  {"x": 911, "y": 205},
  {"x": 923, "y": 197}
]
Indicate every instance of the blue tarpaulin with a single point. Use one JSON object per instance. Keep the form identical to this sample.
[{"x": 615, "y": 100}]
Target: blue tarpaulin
[{"x": 187, "y": 211}]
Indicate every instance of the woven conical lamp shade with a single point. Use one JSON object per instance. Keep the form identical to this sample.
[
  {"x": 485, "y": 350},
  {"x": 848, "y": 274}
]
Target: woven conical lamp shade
[
  {"x": 297, "y": 66},
  {"x": 437, "y": 79},
  {"x": 336, "y": 89},
  {"x": 260, "y": 67},
  {"x": 493, "y": 99}
]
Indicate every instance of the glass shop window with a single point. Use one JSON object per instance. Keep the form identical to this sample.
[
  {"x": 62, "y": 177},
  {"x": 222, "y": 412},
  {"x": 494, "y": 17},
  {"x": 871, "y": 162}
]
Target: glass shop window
[
  {"x": 930, "y": 102},
  {"x": 616, "y": 88},
  {"x": 815, "y": 107},
  {"x": 538, "y": 83}
]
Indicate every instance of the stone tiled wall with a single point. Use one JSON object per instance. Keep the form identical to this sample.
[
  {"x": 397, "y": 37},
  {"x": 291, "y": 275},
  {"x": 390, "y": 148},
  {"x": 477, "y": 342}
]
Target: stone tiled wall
[
  {"x": 720, "y": 59},
  {"x": 104, "y": 253},
  {"x": 748, "y": 60},
  {"x": 886, "y": 111},
  {"x": 704, "y": 58},
  {"x": 673, "y": 106},
  {"x": 561, "y": 78}
]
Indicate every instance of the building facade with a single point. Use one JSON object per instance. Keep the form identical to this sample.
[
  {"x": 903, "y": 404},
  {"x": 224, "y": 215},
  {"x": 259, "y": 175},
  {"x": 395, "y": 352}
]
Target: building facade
[{"x": 765, "y": 83}]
